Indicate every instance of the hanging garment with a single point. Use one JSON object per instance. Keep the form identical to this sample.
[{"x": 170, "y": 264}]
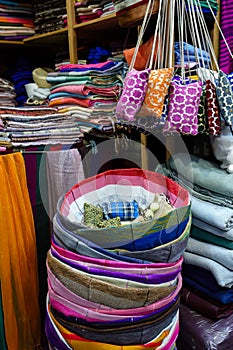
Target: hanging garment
[
  {"x": 64, "y": 169},
  {"x": 18, "y": 257}
]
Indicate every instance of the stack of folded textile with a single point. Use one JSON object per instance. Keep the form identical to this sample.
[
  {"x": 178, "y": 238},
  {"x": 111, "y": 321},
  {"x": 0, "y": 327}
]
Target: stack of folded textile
[
  {"x": 49, "y": 15},
  {"x": 208, "y": 259},
  {"x": 16, "y": 20},
  {"x": 208, "y": 8},
  {"x": 31, "y": 126},
  {"x": 7, "y": 93},
  {"x": 116, "y": 287},
  {"x": 88, "y": 10},
  {"x": 87, "y": 91}
]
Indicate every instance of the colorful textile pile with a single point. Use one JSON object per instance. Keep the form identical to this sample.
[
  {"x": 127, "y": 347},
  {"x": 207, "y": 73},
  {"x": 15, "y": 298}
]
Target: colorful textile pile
[
  {"x": 48, "y": 15},
  {"x": 88, "y": 91},
  {"x": 88, "y": 10},
  {"x": 208, "y": 260},
  {"x": 16, "y": 20},
  {"x": 116, "y": 288},
  {"x": 32, "y": 126}
]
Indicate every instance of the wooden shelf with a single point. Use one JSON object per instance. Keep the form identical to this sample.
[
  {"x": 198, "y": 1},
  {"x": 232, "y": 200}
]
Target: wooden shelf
[
  {"x": 49, "y": 38},
  {"x": 101, "y": 23},
  {"x": 11, "y": 43}
]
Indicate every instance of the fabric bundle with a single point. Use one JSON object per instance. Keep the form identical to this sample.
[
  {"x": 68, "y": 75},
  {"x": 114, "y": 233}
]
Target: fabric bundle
[
  {"x": 89, "y": 92},
  {"x": 91, "y": 9},
  {"x": 31, "y": 126},
  {"x": 16, "y": 20},
  {"x": 116, "y": 288},
  {"x": 48, "y": 16},
  {"x": 208, "y": 261}
]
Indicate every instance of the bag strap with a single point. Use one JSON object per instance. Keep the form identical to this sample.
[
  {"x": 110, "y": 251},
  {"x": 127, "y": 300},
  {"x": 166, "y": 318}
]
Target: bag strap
[{"x": 145, "y": 22}]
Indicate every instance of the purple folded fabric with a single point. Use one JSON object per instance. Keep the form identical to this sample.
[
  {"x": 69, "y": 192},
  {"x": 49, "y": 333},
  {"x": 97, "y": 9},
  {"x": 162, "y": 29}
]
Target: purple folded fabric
[{"x": 147, "y": 276}]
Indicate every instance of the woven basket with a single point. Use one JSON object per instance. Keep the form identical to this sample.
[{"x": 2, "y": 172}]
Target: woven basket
[{"x": 39, "y": 76}]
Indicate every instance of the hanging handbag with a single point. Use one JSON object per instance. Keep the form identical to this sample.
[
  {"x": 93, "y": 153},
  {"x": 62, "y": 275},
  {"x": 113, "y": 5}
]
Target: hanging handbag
[
  {"x": 135, "y": 83},
  {"x": 183, "y": 107},
  {"x": 160, "y": 77},
  {"x": 225, "y": 98}
]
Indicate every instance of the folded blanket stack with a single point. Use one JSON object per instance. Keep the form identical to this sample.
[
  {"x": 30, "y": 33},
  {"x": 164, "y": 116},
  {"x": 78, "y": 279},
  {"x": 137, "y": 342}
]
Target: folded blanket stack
[
  {"x": 208, "y": 259},
  {"x": 33, "y": 126},
  {"x": 49, "y": 15},
  {"x": 89, "y": 92},
  {"x": 88, "y": 10},
  {"x": 16, "y": 20}
]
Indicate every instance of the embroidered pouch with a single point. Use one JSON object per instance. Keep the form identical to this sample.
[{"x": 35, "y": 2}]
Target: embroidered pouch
[
  {"x": 133, "y": 94},
  {"x": 225, "y": 98},
  {"x": 158, "y": 84},
  {"x": 183, "y": 106},
  {"x": 124, "y": 210},
  {"x": 212, "y": 109}
]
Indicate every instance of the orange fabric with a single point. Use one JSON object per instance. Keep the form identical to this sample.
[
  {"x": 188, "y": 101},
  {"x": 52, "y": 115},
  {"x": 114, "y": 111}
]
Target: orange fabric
[
  {"x": 143, "y": 55},
  {"x": 158, "y": 84},
  {"x": 18, "y": 257}
]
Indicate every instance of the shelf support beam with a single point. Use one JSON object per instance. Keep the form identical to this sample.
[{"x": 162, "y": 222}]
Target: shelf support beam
[{"x": 72, "y": 35}]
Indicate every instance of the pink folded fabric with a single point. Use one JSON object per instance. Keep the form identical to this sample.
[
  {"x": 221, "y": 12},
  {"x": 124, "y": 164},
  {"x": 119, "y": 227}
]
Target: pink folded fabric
[
  {"x": 86, "y": 66},
  {"x": 86, "y": 90}
]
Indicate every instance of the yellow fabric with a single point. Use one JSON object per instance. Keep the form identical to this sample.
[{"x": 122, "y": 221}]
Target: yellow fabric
[
  {"x": 158, "y": 84},
  {"x": 18, "y": 257},
  {"x": 84, "y": 344}
]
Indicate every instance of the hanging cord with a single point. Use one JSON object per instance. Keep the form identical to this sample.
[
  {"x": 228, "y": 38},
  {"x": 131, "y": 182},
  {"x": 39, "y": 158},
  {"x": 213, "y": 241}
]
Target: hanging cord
[
  {"x": 145, "y": 22},
  {"x": 196, "y": 35},
  {"x": 155, "y": 38},
  {"x": 171, "y": 32},
  {"x": 219, "y": 28}
]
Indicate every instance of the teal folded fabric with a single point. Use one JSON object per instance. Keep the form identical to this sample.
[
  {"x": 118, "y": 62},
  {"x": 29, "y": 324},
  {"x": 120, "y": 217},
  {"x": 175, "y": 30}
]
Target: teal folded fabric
[{"x": 209, "y": 237}]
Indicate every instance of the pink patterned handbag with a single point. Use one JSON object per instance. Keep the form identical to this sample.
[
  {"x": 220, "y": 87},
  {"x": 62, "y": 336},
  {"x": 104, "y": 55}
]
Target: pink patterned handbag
[{"x": 183, "y": 108}]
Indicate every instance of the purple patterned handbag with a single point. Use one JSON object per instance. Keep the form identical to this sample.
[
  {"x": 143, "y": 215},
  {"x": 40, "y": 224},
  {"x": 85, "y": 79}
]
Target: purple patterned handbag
[
  {"x": 134, "y": 90},
  {"x": 183, "y": 108}
]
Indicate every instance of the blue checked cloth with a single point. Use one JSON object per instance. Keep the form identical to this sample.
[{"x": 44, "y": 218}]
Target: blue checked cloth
[{"x": 125, "y": 210}]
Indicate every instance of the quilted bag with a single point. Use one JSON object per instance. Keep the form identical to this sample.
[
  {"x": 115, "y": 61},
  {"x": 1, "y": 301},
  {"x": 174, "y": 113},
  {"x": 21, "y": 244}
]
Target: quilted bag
[
  {"x": 183, "y": 107},
  {"x": 158, "y": 84},
  {"x": 225, "y": 98}
]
